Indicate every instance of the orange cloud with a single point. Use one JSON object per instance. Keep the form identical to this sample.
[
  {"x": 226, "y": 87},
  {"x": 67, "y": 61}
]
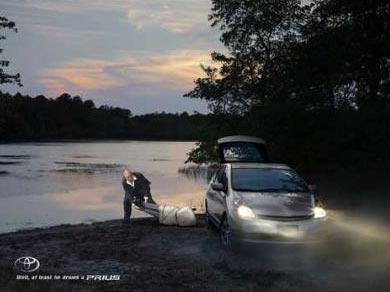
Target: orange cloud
[
  {"x": 82, "y": 73},
  {"x": 172, "y": 70}
]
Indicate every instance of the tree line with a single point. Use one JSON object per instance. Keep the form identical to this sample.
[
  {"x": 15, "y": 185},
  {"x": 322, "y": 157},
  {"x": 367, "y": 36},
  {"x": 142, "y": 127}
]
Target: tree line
[
  {"x": 25, "y": 118},
  {"x": 311, "y": 77}
]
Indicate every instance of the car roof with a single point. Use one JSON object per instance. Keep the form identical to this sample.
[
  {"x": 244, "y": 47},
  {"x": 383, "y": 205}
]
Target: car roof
[
  {"x": 240, "y": 138},
  {"x": 259, "y": 165}
]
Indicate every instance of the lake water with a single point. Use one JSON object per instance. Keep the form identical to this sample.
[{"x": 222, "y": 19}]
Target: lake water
[{"x": 43, "y": 184}]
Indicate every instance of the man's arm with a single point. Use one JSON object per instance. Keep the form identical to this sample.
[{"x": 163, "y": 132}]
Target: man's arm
[{"x": 127, "y": 189}]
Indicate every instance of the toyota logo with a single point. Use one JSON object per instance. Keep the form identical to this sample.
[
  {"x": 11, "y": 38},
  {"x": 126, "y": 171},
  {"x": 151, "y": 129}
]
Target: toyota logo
[{"x": 27, "y": 264}]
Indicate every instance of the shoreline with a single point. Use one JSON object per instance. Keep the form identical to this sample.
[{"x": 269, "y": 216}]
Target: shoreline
[
  {"x": 4, "y": 142},
  {"x": 147, "y": 257}
]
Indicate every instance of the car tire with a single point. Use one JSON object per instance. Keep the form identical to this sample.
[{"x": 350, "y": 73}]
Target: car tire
[
  {"x": 209, "y": 221},
  {"x": 226, "y": 234}
]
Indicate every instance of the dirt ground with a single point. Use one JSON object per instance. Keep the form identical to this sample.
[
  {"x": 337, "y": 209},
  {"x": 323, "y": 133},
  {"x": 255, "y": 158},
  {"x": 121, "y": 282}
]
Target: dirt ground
[
  {"x": 147, "y": 256},
  {"x": 150, "y": 257}
]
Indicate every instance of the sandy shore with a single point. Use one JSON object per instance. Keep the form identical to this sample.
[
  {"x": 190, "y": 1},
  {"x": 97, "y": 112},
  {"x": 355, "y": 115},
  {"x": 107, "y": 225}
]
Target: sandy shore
[{"x": 151, "y": 257}]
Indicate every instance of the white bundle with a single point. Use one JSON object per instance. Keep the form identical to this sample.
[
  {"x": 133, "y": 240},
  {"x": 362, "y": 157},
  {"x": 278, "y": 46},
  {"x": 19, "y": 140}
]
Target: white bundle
[
  {"x": 185, "y": 217},
  {"x": 169, "y": 215}
]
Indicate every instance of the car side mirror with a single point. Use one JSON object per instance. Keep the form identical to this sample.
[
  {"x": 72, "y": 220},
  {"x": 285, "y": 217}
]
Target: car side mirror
[
  {"x": 218, "y": 187},
  {"x": 312, "y": 188}
]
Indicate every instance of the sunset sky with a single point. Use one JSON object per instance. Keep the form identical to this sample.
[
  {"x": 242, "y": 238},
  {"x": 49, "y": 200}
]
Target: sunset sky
[{"x": 138, "y": 54}]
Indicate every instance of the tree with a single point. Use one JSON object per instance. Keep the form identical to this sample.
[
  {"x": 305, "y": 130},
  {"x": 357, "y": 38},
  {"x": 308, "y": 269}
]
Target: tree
[
  {"x": 6, "y": 77},
  {"x": 254, "y": 33},
  {"x": 300, "y": 72},
  {"x": 359, "y": 33}
]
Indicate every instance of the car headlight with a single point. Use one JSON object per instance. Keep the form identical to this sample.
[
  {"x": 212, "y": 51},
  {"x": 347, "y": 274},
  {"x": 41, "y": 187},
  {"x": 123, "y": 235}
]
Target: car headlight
[
  {"x": 245, "y": 212},
  {"x": 319, "y": 212}
]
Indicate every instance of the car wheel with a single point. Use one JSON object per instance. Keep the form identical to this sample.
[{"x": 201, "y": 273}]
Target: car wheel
[
  {"x": 226, "y": 235},
  {"x": 209, "y": 221}
]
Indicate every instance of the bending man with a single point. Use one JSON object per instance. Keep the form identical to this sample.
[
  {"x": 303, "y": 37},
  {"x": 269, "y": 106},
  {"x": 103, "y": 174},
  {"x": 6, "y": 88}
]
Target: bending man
[{"x": 136, "y": 188}]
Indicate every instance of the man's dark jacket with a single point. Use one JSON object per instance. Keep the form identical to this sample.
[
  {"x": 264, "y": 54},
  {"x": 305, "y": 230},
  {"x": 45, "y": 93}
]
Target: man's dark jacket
[{"x": 140, "y": 190}]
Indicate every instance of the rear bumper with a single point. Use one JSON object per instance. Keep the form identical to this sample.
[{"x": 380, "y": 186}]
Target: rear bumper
[{"x": 269, "y": 231}]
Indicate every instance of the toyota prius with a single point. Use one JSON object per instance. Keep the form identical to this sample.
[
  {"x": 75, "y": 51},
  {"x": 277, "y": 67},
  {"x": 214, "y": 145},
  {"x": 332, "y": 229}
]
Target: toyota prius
[{"x": 255, "y": 200}]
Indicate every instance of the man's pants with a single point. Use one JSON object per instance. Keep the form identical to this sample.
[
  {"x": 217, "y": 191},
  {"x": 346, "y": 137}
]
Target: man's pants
[{"x": 127, "y": 202}]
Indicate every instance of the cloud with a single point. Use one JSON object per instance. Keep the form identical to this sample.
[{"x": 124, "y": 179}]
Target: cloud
[
  {"x": 79, "y": 73},
  {"x": 59, "y": 33},
  {"x": 143, "y": 54},
  {"x": 72, "y": 6},
  {"x": 167, "y": 70},
  {"x": 177, "y": 16}
]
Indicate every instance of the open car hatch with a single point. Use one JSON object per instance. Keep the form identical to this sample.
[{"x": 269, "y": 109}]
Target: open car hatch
[{"x": 242, "y": 149}]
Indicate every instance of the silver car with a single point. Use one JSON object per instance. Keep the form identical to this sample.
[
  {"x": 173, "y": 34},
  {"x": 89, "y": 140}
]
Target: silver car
[{"x": 256, "y": 201}]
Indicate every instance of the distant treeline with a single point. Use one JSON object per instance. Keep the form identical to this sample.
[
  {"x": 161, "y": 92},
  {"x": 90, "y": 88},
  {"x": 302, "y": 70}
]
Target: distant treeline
[{"x": 24, "y": 118}]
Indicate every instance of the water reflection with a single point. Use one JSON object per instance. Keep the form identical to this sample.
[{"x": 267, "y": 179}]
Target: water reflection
[
  {"x": 86, "y": 199},
  {"x": 200, "y": 173},
  {"x": 58, "y": 183}
]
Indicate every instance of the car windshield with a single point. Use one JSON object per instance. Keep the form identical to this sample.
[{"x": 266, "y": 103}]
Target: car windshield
[{"x": 267, "y": 180}]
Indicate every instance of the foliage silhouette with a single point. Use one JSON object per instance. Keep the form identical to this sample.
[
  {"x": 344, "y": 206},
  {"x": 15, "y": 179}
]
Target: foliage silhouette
[
  {"x": 67, "y": 117},
  {"x": 5, "y": 77},
  {"x": 312, "y": 79}
]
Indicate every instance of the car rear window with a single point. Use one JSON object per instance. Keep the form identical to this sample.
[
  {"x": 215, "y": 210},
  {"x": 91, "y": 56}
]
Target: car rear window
[{"x": 242, "y": 152}]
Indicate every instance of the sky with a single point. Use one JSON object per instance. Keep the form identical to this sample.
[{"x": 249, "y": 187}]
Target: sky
[{"x": 138, "y": 54}]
